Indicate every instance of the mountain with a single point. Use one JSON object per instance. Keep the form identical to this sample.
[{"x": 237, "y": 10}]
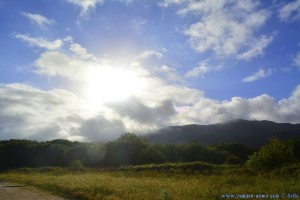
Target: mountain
[{"x": 252, "y": 133}]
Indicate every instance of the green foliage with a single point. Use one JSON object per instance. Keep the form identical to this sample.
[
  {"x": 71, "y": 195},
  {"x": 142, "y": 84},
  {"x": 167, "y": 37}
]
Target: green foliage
[
  {"x": 130, "y": 149},
  {"x": 190, "y": 167},
  {"x": 76, "y": 164},
  {"x": 196, "y": 152},
  {"x": 126, "y": 150},
  {"x": 274, "y": 154},
  {"x": 296, "y": 144},
  {"x": 290, "y": 170},
  {"x": 151, "y": 155},
  {"x": 240, "y": 151},
  {"x": 233, "y": 160}
]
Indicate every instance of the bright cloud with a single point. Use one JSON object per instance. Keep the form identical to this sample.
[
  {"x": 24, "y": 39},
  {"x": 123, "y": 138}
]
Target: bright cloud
[
  {"x": 119, "y": 82},
  {"x": 263, "y": 107},
  {"x": 202, "y": 69},
  {"x": 29, "y": 112},
  {"x": 148, "y": 53},
  {"x": 257, "y": 48},
  {"x": 226, "y": 27},
  {"x": 72, "y": 62},
  {"x": 41, "y": 42},
  {"x": 290, "y": 11},
  {"x": 38, "y": 19},
  {"x": 166, "y": 3},
  {"x": 23, "y": 111},
  {"x": 260, "y": 74},
  {"x": 86, "y": 5}
]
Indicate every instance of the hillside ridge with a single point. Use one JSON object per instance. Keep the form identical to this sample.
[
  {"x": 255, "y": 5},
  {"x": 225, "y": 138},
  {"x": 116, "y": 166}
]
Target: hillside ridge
[{"x": 253, "y": 133}]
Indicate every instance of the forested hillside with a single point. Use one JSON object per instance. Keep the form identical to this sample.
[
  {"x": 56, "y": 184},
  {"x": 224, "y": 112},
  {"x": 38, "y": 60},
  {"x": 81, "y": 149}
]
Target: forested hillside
[{"x": 252, "y": 133}]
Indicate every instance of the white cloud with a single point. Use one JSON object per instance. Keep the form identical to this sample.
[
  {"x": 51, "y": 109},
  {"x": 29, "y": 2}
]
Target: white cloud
[
  {"x": 160, "y": 103},
  {"x": 41, "y": 42},
  {"x": 38, "y": 19},
  {"x": 86, "y": 5},
  {"x": 202, "y": 69},
  {"x": 31, "y": 113},
  {"x": 28, "y": 112},
  {"x": 169, "y": 73},
  {"x": 263, "y": 107},
  {"x": 290, "y": 11},
  {"x": 260, "y": 74},
  {"x": 55, "y": 63},
  {"x": 297, "y": 60},
  {"x": 148, "y": 53},
  {"x": 135, "y": 109},
  {"x": 166, "y": 3},
  {"x": 227, "y": 27},
  {"x": 257, "y": 48},
  {"x": 71, "y": 63}
]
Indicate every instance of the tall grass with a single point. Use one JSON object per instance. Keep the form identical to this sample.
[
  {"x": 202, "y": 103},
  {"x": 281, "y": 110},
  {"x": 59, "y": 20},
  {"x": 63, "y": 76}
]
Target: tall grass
[{"x": 153, "y": 184}]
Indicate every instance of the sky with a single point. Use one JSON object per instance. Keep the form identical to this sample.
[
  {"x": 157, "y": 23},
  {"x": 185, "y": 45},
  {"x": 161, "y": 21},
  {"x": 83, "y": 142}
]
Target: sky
[{"x": 91, "y": 70}]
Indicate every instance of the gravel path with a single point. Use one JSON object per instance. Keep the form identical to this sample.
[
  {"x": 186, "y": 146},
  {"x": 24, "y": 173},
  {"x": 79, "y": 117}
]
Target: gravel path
[{"x": 10, "y": 191}]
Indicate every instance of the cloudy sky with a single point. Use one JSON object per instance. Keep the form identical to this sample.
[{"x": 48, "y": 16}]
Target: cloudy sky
[{"x": 94, "y": 69}]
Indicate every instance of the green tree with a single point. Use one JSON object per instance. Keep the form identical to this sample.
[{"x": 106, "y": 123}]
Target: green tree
[
  {"x": 236, "y": 150},
  {"x": 151, "y": 154},
  {"x": 196, "y": 152},
  {"x": 274, "y": 154},
  {"x": 76, "y": 164},
  {"x": 126, "y": 150}
]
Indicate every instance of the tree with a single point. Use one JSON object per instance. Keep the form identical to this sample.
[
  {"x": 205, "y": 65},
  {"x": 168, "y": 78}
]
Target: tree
[
  {"x": 236, "y": 150},
  {"x": 196, "y": 152},
  {"x": 126, "y": 150},
  {"x": 273, "y": 155},
  {"x": 76, "y": 164}
]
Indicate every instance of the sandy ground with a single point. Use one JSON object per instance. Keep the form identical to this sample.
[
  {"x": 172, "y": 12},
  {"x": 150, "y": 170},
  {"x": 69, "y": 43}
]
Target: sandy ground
[{"x": 9, "y": 191}]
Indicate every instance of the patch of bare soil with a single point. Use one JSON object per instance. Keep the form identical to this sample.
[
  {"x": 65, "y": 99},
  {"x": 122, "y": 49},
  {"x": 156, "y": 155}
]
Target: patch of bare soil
[{"x": 10, "y": 191}]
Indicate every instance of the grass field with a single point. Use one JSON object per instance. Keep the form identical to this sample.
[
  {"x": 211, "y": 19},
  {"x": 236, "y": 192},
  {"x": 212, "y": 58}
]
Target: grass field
[{"x": 149, "y": 182}]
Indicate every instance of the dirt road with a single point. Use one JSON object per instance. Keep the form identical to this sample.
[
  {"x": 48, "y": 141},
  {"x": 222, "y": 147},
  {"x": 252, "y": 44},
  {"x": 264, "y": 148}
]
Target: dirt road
[{"x": 10, "y": 191}]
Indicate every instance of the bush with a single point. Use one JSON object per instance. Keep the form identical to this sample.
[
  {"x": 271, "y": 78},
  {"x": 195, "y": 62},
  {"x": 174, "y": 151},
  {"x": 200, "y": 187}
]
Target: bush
[
  {"x": 233, "y": 160},
  {"x": 274, "y": 154},
  {"x": 76, "y": 164}
]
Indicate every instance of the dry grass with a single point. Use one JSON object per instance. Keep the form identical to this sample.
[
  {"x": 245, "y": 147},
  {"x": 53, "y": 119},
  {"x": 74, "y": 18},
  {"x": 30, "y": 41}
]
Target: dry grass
[{"x": 99, "y": 184}]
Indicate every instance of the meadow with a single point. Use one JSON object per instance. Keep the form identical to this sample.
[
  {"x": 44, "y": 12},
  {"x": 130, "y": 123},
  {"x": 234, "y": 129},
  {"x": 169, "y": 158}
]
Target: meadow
[{"x": 166, "y": 181}]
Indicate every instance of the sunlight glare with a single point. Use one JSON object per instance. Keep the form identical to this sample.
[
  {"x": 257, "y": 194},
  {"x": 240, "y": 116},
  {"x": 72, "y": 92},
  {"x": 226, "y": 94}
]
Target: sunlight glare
[{"x": 109, "y": 84}]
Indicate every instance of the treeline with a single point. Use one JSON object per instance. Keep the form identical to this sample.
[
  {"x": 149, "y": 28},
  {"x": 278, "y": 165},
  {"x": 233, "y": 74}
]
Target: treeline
[{"x": 128, "y": 149}]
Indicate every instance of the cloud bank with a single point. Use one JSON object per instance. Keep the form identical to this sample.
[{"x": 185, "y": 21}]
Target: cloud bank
[
  {"x": 224, "y": 27},
  {"x": 227, "y": 27}
]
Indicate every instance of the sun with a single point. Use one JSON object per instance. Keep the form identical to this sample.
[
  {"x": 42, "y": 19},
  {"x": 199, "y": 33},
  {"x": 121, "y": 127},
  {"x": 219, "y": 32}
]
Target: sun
[{"x": 111, "y": 84}]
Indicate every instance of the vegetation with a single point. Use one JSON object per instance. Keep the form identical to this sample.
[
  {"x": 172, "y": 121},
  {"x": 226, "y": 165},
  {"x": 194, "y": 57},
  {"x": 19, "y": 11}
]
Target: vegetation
[
  {"x": 129, "y": 149},
  {"x": 251, "y": 133},
  {"x": 155, "y": 184},
  {"x": 273, "y": 155},
  {"x": 132, "y": 168}
]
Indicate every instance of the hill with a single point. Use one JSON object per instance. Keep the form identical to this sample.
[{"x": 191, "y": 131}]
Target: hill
[{"x": 252, "y": 133}]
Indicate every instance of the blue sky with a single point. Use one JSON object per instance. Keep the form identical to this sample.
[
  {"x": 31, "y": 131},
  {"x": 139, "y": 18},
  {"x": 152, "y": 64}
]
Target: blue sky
[{"x": 93, "y": 69}]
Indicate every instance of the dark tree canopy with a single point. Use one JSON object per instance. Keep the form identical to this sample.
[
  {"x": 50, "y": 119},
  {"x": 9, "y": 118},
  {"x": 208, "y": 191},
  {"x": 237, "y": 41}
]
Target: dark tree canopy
[{"x": 130, "y": 149}]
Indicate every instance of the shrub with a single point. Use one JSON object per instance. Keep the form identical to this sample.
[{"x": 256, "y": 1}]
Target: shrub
[
  {"x": 76, "y": 164},
  {"x": 274, "y": 154},
  {"x": 233, "y": 160}
]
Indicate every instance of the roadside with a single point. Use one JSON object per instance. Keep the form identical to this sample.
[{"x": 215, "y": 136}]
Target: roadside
[{"x": 10, "y": 191}]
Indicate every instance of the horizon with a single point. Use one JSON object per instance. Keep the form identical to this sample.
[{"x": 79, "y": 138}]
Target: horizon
[{"x": 93, "y": 70}]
